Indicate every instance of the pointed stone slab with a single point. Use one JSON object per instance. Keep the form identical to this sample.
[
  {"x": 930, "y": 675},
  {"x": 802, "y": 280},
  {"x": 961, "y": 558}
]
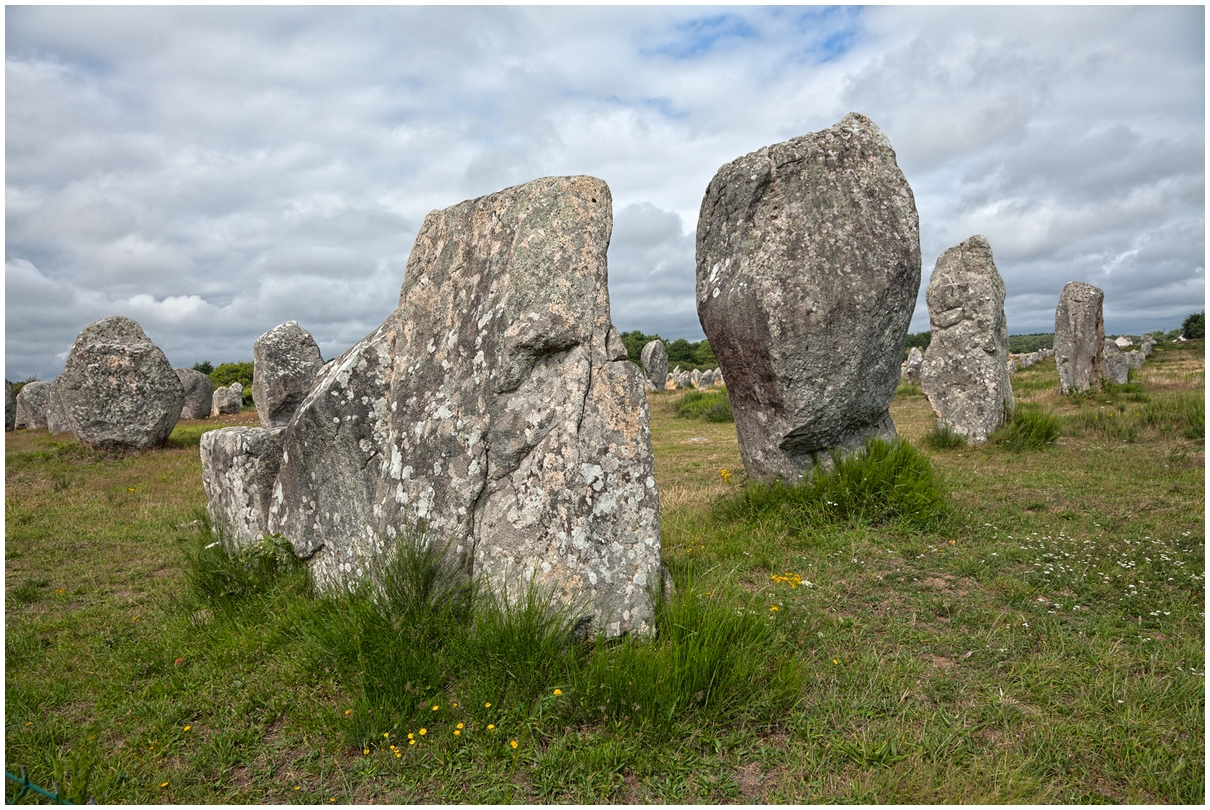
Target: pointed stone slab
[{"x": 496, "y": 409}]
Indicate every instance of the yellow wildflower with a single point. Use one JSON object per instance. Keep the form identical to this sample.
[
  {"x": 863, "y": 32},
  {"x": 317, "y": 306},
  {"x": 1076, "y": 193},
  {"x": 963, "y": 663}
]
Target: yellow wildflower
[
  {"x": 834, "y": 662},
  {"x": 487, "y": 705},
  {"x": 725, "y": 474},
  {"x": 162, "y": 784},
  {"x": 774, "y": 607},
  {"x": 348, "y": 712},
  {"x": 365, "y": 750},
  {"x": 513, "y": 743},
  {"x": 188, "y": 727},
  {"x": 457, "y": 733},
  {"x": 558, "y": 691},
  {"x": 460, "y": 726},
  {"x": 423, "y": 731},
  {"x": 411, "y": 736},
  {"x": 435, "y": 707},
  {"x": 411, "y": 742}
]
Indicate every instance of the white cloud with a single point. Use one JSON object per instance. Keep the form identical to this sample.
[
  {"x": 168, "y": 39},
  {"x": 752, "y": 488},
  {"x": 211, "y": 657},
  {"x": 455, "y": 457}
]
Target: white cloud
[{"x": 219, "y": 170}]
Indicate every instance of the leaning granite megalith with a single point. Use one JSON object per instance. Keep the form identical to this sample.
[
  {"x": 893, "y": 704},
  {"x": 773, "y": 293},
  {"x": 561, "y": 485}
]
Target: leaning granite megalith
[
  {"x": 33, "y": 401},
  {"x": 118, "y": 389},
  {"x": 56, "y": 414},
  {"x": 655, "y": 363},
  {"x": 286, "y": 360},
  {"x": 199, "y": 393},
  {"x": 239, "y": 471},
  {"x": 1079, "y": 337},
  {"x": 808, "y": 265},
  {"x": 965, "y": 374},
  {"x": 494, "y": 409},
  {"x": 227, "y": 399},
  {"x": 10, "y": 406}
]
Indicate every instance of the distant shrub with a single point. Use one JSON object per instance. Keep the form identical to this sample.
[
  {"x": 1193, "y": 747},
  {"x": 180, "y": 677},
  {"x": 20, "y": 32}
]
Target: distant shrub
[
  {"x": 713, "y": 406},
  {"x": 1029, "y": 428},
  {"x": 228, "y": 373},
  {"x": 920, "y": 341},
  {"x": 1194, "y": 326},
  {"x": 942, "y": 437},
  {"x": 1022, "y": 344},
  {"x": 892, "y": 482},
  {"x": 203, "y": 367}
]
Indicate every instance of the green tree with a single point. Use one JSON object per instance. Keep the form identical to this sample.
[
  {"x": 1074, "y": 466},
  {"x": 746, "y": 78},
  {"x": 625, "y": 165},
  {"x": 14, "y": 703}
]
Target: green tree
[
  {"x": 634, "y": 341},
  {"x": 920, "y": 340},
  {"x": 203, "y": 367},
  {"x": 228, "y": 373},
  {"x": 1194, "y": 326}
]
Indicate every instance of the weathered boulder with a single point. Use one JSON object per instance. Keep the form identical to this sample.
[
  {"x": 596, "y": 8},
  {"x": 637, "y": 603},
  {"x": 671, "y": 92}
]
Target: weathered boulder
[
  {"x": 10, "y": 406},
  {"x": 1079, "y": 337},
  {"x": 695, "y": 378},
  {"x": 683, "y": 379},
  {"x": 965, "y": 373},
  {"x": 286, "y": 360},
  {"x": 1135, "y": 359},
  {"x": 33, "y": 401},
  {"x": 118, "y": 389},
  {"x": 808, "y": 265},
  {"x": 655, "y": 362},
  {"x": 239, "y": 471},
  {"x": 56, "y": 415},
  {"x": 1123, "y": 341},
  {"x": 911, "y": 366},
  {"x": 495, "y": 408},
  {"x": 199, "y": 393},
  {"x": 227, "y": 399},
  {"x": 1147, "y": 346},
  {"x": 1114, "y": 366}
]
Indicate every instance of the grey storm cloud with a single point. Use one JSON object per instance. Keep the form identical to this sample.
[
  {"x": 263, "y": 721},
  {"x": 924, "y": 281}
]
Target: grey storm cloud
[{"x": 215, "y": 171}]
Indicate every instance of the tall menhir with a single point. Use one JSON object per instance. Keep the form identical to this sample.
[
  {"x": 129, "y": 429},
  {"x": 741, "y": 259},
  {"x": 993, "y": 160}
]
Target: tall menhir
[{"x": 808, "y": 265}]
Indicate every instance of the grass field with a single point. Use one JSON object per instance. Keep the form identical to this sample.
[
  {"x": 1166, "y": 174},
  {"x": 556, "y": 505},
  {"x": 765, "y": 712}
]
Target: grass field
[{"x": 1044, "y": 643}]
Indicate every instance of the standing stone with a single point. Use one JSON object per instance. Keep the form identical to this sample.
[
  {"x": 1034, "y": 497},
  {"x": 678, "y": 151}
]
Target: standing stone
[
  {"x": 239, "y": 470},
  {"x": 655, "y": 362},
  {"x": 227, "y": 399},
  {"x": 1079, "y": 337},
  {"x": 286, "y": 360},
  {"x": 496, "y": 408},
  {"x": 33, "y": 401},
  {"x": 911, "y": 367},
  {"x": 965, "y": 370},
  {"x": 683, "y": 379},
  {"x": 56, "y": 414},
  {"x": 1123, "y": 341},
  {"x": 1114, "y": 366},
  {"x": 10, "y": 407},
  {"x": 695, "y": 378},
  {"x": 1134, "y": 359},
  {"x": 808, "y": 265},
  {"x": 1147, "y": 345},
  {"x": 199, "y": 393},
  {"x": 118, "y": 389}
]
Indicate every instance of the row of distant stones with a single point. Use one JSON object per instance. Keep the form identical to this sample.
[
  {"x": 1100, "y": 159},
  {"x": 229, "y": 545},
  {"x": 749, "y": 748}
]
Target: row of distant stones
[
  {"x": 117, "y": 392},
  {"x": 494, "y": 413}
]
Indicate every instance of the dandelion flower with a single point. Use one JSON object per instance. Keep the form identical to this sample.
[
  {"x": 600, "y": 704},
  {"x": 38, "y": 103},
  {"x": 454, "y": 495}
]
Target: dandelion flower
[
  {"x": 398, "y": 755},
  {"x": 460, "y": 726},
  {"x": 423, "y": 731},
  {"x": 386, "y": 735},
  {"x": 165, "y": 784},
  {"x": 411, "y": 742},
  {"x": 513, "y": 743},
  {"x": 348, "y": 712},
  {"x": 411, "y": 736},
  {"x": 298, "y": 787},
  {"x": 188, "y": 727},
  {"x": 558, "y": 691},
  {"x": 491, "y": 726},
  {"x": 453, "y": 705},
  {"x": 457, "y": 732},
  {"x": 435, "y": 707},
  {"x": 365, "y": 750},
  {"x": 487, "y": 705},
  {"x": 834, "y": 662}
]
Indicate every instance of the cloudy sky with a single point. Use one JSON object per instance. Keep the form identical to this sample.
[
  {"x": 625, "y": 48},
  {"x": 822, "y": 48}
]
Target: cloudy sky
[{"x": 213, "y": 172}]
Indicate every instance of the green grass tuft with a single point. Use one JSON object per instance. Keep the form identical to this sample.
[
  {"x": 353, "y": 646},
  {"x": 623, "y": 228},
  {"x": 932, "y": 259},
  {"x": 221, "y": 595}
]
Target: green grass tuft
[
  {"x": 713, "y": 406},
  {"x": 892, "y": 482},
  {"x": 942, "y": 437},
  {"x": 1029, "y": 428}
]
